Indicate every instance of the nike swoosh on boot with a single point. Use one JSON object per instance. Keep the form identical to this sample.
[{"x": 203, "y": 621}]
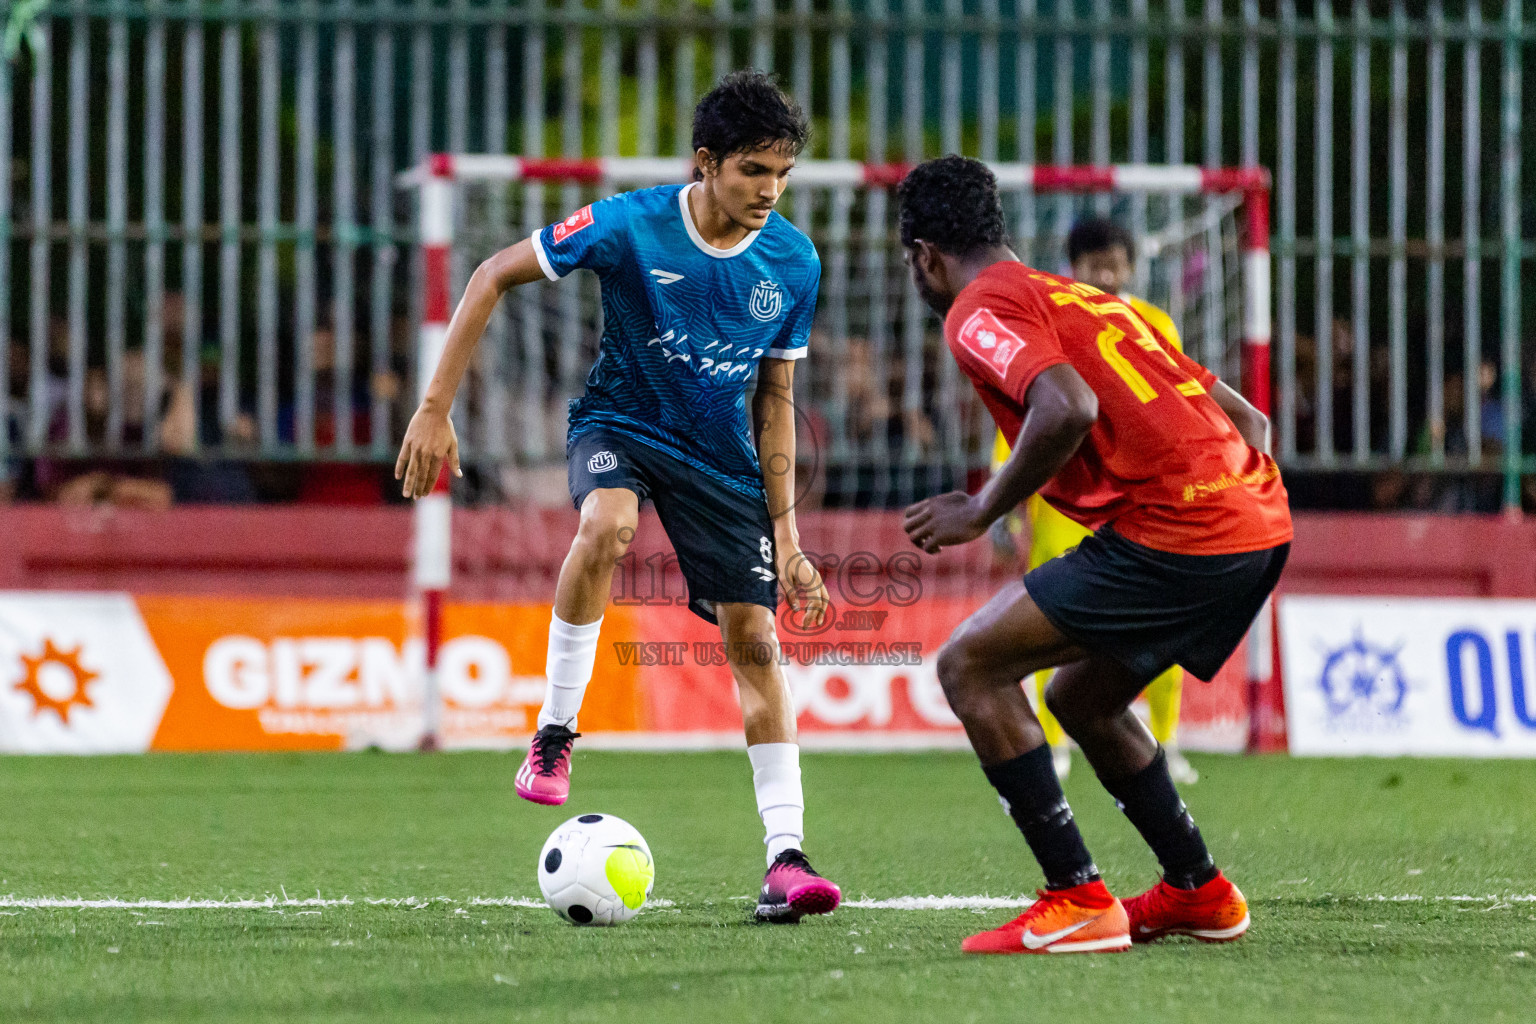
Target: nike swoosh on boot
[{"x": 1033, "y": 941}]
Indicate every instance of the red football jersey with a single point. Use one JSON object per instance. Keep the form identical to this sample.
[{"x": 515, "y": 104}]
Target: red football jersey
[{"x": 1163, "y": 465}]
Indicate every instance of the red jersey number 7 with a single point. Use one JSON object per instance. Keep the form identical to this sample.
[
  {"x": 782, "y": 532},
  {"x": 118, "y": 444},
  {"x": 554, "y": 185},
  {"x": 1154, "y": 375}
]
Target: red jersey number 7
[{"x": 1111, "y": 336}]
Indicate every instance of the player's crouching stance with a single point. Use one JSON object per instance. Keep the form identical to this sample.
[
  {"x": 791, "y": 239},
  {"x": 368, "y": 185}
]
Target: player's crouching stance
[
  {"x": 1135, "y": 441},
  {"x": 702, "y": 284}
]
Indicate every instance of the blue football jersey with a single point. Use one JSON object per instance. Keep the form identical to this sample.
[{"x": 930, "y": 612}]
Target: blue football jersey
[{"x": 684, "y": 323}]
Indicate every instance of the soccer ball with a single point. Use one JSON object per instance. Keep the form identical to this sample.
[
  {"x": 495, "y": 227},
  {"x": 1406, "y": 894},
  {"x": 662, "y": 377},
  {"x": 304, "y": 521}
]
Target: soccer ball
[{"x": 596, "y": 870}]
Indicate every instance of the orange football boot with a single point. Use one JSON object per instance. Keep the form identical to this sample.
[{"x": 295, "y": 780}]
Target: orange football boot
[
  {"x": 1215, "y": 912},
  {"x": 1083, "y": 919}
]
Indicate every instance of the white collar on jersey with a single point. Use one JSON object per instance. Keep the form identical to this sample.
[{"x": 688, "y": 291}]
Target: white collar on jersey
[{"x": 698, "y": 239}]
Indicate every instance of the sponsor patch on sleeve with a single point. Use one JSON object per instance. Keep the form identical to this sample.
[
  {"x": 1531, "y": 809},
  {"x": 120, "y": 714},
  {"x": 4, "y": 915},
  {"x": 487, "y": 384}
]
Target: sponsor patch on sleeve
[
  {"x": 575, "y": 222},
  {"x": 986, "y": 337}
]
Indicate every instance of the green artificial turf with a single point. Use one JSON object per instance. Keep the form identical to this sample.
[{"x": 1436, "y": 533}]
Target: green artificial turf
[{"x": 1349, "y": 867}]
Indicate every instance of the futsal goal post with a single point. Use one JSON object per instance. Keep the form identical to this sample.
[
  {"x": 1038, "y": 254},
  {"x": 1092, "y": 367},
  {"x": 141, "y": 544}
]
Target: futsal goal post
[{"x": 1203, "y": 236}]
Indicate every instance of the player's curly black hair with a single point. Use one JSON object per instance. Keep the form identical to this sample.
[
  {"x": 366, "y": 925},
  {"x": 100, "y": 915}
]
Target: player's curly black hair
[
  {"x": 952, "y": 203},
  {"x": 1095, "y": 235},
  {"x": 747, "y": 111}
]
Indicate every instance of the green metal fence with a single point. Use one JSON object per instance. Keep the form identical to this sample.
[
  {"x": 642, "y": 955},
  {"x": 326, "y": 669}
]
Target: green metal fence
[{"x": 236, "y": 157}]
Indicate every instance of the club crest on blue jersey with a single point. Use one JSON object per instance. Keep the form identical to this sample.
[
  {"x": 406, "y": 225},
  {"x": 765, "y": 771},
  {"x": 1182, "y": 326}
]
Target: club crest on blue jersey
[{"x": 767, "y": 301}]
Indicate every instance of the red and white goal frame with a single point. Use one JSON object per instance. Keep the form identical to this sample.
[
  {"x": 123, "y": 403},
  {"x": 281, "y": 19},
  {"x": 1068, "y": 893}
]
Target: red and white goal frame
[{"x": 437, "y": 177}]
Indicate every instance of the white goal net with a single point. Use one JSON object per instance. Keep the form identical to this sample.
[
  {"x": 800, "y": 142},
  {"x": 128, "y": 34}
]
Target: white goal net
[{"x": 886, "y": 416}]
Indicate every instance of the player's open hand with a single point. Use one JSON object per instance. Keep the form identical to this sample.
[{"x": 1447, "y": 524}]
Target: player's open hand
[
  {"x": 803, "y": 585},
  {"x": 942, "y": 521},
  {"x": 430, "y": 442}
]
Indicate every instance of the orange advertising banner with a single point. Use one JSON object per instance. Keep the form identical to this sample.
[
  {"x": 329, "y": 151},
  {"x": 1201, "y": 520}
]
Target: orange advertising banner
[
  {"x": 259, "y": 674},
  {"x": 97, "y": 673}
]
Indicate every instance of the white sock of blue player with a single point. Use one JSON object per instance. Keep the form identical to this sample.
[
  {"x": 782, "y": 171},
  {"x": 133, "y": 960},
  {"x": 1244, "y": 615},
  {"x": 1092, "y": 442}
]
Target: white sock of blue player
[
  {"x": 776, "y": 778},
  {"x": 568, "y": 670}
]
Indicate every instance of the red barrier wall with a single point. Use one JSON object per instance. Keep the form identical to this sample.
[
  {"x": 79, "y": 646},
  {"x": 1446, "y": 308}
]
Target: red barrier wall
[
  {"x": 503, "y": 554},
  {"x": 500, "y": 554},
  {"x": 1439, "y": 556}
]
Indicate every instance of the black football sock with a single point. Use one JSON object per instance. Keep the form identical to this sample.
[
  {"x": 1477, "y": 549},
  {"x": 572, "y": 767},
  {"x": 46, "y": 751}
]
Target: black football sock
[
  {"x": 1153, "y": 805},
  {"x": 1032, "y": 796}
]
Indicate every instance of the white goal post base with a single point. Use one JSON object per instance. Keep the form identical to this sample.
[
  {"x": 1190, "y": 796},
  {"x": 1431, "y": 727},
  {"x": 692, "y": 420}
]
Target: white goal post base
[{"x": 437, "y": 176}]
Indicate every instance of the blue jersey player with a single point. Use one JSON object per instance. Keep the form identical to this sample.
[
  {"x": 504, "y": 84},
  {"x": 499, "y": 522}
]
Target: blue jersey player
[{"x": 705, "y": 290}]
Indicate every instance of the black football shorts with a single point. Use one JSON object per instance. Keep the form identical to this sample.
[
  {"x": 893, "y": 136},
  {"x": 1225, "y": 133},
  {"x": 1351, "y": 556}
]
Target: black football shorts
[
  {"x": 1151, "y": 610},
  {"x": 722, "y": 536}
]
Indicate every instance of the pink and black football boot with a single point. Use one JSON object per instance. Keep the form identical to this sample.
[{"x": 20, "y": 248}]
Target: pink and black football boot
[
  {"x": 545, "y": 776},
  {"x": 792, "y": 889}
]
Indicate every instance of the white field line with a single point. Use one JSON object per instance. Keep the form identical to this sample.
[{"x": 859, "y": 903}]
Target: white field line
[
  {"x": 1526, "y": 898},
  {"x": 1009, "y": 902},
  {"x": 940, "y": 903},
  {"x": 13, "y": 902},
  {"x": 271, "y": 903}
]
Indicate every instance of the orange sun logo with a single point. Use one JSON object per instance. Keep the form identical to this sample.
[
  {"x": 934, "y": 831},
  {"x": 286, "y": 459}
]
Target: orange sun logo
[{"x": 69, "y": 661}]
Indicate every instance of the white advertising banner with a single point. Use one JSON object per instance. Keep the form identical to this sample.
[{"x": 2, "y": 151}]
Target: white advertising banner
[
  {"x": 79, "y": 674},
  {"x": 1392, "y": 676}
]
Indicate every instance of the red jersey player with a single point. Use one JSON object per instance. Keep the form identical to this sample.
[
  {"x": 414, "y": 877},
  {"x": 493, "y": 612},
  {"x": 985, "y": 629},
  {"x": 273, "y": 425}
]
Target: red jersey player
[{"x": 1122, "y": 433}]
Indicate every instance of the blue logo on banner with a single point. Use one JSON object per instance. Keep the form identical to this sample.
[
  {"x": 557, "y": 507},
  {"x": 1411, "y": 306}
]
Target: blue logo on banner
[{"x": 1363, "y": 680}]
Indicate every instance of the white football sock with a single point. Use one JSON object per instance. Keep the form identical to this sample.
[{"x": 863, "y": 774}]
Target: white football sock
[
  {"x": 568, "y": 670},
  {"x": 776, "y": 778}
]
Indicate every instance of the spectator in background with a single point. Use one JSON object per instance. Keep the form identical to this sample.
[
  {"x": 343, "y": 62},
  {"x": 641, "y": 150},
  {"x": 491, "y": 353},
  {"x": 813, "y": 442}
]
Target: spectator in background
[
  {"x": 1528, "y": 426},
  {"x": 14, "y": 427},
  {"x": 196, "y": 477},
  {"x": 877, "y": 408},
  {"x": 1341, "y": 488},
  {"x": 869, "y": 401},
  {"x": 336, "y": 482},
  {"x": 1453, "y": 431},
  {"x": 125, "y": 481},
  {"x": 1341, "y": 351},
  {"x": 879, "y": 427},
  {"x": 1495, "y": 434},
  {"x": 157, "y": 462},
  {"x": 1455, "y": 491},
  {"x": 1490, "y": 409},
  {"x": 812, "y": 435},
  {"x": 56, "y": 369}
]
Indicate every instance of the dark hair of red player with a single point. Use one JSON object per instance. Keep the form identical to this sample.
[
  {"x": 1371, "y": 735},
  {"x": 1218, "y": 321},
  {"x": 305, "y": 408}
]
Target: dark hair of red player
[{"x": 952, "y": 203}]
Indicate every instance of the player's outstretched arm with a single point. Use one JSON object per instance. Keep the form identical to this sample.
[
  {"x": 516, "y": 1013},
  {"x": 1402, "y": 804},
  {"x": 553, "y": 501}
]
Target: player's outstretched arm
[
  {"x": 773, "y": 422},
  {"x": 1061, "y": 409},
  {"x": 1252, "y": 424},
  {"x": 429, "y": 440}
]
